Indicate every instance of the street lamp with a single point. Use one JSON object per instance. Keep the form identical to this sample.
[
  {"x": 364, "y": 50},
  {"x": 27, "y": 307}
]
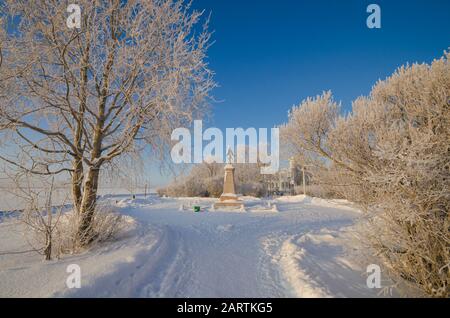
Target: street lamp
[{"x": 304, "y": 179}]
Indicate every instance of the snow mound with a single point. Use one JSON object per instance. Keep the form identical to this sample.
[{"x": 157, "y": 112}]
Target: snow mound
[
  {"x": 317, "y": 239},
  {"x": 261, "y": 208},
  {"x": 333, "y": 203},
  {"x": 249, "y": 199},
  {"x": 305, "y": 286},
  {"x": 301, "y": 198},
  {"x": 321, "y": 264},
  {"x": 224, "y": 227},
  {"x": 326, "y": 203},
  {"x": 135, "y": 203}
]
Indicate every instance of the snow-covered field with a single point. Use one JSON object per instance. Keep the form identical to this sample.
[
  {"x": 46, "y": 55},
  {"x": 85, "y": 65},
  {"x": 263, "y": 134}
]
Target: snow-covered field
[{"x": 287, "y": 247}]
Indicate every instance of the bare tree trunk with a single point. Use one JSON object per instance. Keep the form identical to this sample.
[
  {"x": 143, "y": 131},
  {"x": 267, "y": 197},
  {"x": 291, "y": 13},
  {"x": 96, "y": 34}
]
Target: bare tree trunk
[
  {"x": 48, "y": 246},
  {"x": 87, "y": 208},
  {"x": 49, "y": 225},
  {"x": 77, "y": 181},
  {"x": 88, "y": 203}
]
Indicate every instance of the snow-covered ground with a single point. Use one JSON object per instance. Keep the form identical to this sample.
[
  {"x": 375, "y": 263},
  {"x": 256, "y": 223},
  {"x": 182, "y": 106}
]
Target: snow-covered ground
[{"x": 287, "y": 247}]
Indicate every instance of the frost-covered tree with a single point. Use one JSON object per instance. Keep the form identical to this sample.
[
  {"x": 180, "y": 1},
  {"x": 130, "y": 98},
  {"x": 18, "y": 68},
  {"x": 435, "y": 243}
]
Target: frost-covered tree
[
  {"x": 78, "y": 99},
  {"x": 391, "y": 154}
]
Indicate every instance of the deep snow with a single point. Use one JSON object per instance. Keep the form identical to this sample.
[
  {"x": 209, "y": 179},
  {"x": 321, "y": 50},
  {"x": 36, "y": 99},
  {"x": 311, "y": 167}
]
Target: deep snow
[{"x": 288, "y": 247}]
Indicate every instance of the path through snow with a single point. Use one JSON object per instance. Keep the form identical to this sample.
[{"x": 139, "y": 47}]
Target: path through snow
[{"x": 292, "y": 253}]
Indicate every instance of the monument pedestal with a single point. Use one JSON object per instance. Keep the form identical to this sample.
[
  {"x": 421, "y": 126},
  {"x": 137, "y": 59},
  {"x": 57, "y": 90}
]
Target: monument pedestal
[
  {"x": 229, "y": 199},
  {"x": 228, "y": 204}
]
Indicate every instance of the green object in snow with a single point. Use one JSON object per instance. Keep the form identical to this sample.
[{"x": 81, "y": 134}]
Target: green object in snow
[{"x": 196, "y": 208}]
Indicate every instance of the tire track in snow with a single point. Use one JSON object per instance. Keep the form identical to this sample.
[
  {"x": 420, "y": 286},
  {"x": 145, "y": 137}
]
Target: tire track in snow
[
  {"x": 167, "y": 268},
  {"x": 153, "y": 272}
]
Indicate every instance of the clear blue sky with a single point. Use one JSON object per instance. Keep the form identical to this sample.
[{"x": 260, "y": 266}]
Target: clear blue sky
[{"x": 269, "y": 55}]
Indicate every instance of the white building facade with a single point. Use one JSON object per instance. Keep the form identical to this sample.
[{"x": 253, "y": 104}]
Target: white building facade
[{"x": 285, "y": 181}]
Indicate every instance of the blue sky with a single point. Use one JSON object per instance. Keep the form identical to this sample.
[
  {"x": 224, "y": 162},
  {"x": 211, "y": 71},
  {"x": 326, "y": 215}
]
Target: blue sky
[{"x": 270, "y": 55}]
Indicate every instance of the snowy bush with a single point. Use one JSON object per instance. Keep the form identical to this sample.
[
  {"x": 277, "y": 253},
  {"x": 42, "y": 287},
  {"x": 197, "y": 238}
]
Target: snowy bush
[
  {"x": 318, "y": 191},
  {"x": 214, "y": 186},
  {"x": 52, "y": 230},
  {"x": 391, "y": 155},
  {"x": 40, "y": 217},
  {"x": 254, "y": 189},
  {"x": 106, "y": 225}
]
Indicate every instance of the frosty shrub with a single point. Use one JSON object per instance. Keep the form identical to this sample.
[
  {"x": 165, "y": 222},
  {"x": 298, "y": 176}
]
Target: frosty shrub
[
  {"x": 51, "y": 225},
  {"x": 106, "y": 226},
  {"x": 40, "y": 217},
  {"x": 391, "y": 155},
  {"x": 214, "y": 186},
  {"x": 317, "y": 190}
]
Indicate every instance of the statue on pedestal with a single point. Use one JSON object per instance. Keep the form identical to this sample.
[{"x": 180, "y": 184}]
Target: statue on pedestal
[{"x": 229, "y": 197}]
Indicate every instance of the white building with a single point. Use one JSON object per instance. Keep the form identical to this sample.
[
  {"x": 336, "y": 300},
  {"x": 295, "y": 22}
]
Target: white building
[{"x": 285, "y": 180}]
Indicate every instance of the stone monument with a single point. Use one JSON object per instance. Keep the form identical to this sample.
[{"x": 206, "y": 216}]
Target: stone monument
[{"x": 229, "y": 197}]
